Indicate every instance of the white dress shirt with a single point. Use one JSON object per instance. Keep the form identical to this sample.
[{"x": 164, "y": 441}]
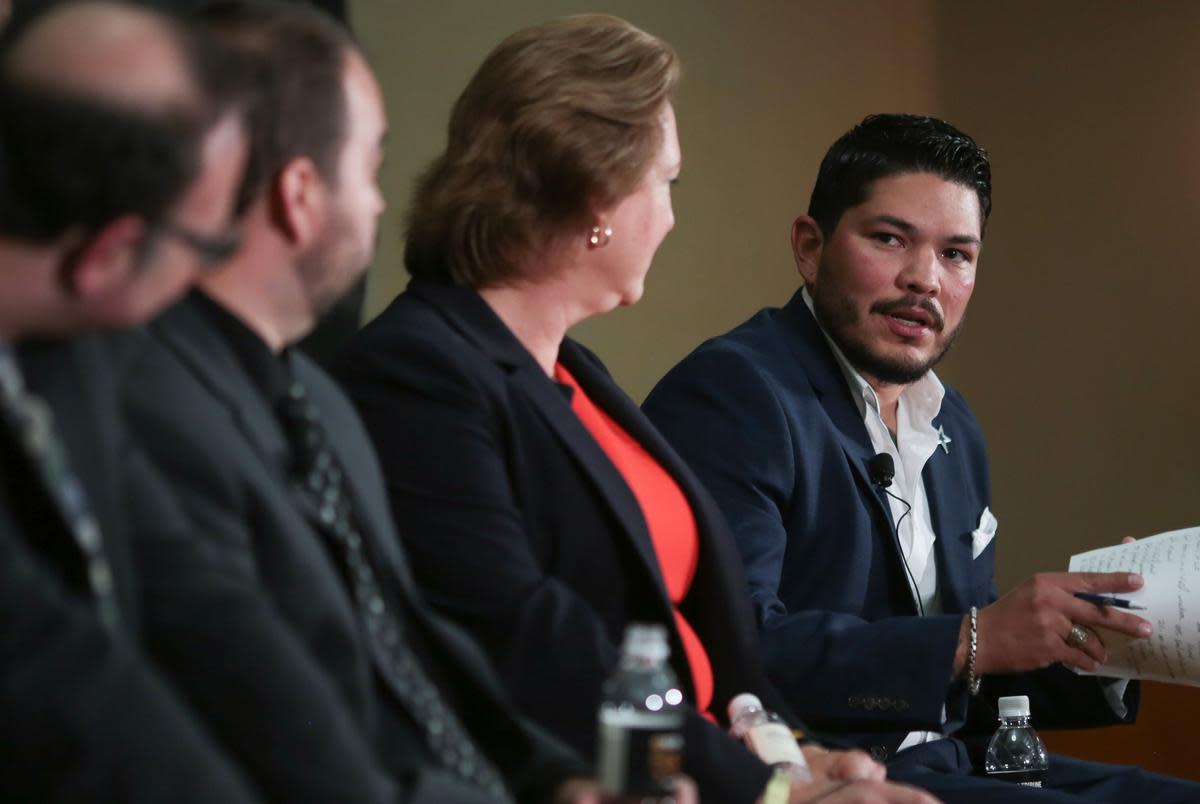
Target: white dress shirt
[{"x": 915, "y": 442}]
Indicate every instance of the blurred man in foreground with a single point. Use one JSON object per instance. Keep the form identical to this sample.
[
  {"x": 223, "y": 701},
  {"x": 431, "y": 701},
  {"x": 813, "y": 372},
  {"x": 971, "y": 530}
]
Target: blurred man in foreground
[{"x": 118, "y": 167}]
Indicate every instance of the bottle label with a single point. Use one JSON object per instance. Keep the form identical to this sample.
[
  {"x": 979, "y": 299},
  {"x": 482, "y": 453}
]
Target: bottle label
[
  {"x": 1025, "y": 778},
  {"x": 638, "y": 755},
  {"x": 775, "y": 745}
]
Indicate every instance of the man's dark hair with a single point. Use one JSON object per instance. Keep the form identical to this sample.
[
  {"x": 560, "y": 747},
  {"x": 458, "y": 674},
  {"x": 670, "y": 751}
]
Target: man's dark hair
[
  {"x": 296, "y": 57},
  {"x": 68, "y": 161},
  {"x": 890, "y": 144}
]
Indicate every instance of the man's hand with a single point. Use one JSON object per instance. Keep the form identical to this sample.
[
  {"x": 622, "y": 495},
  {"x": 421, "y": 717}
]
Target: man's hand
[
  {"x": 587, "y": 791},
  {"x": 842, "y": 766},
  {"x": 1027, "y": 629},
  {"x": 871, "y": 791},
  {"x": 850, "y": 777}
]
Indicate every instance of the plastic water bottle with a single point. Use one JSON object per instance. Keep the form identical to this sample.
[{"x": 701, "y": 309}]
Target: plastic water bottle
[
  {"x": 1016, "y": 753},
  {"x": 641, "y": 720},
  {"x": 767, "y": 736}
]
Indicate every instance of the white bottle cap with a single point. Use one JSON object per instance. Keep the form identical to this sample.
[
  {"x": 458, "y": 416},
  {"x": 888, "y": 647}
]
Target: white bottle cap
[
  {"x": 1014, "y": 706},
  {"x": 646, "y": 641},
  {"x": 743, "y": 703}
]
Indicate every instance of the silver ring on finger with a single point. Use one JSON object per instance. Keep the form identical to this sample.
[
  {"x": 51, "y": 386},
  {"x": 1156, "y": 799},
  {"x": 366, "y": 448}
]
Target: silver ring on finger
[{"x": 1078, "y": 636}]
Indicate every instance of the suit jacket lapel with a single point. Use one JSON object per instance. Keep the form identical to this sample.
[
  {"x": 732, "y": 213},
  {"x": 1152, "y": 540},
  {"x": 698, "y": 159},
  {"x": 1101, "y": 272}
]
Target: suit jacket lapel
[
  {"x": 943, "y": 479},
  {"x": 36, "y": 510},
  {"x": 185, "y": 331},
  {"x": 717, "y": 605},
  {"x": 551, "y": 403},
  {"x": 471, "y": 316},
  {"x": 812, "y": 354},
  {"x": 943, "y": 485},
  {"x": 363, "y": 480},
  {"x": 609, "y": 397},
  {"x": 76, "y": 379}
]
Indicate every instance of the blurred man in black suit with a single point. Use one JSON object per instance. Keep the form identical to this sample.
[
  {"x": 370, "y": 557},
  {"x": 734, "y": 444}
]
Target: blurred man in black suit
[
  {"x": 346, "y": 684},
  {"x": 118, "y": 167}
]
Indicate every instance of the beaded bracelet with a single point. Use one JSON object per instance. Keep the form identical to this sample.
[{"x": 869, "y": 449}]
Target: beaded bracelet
[{"x": 973, "y": 680}]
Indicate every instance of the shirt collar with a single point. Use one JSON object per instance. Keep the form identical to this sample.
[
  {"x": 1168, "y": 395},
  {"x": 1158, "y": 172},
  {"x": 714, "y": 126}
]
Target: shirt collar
[
  {"x": 921, "y": 400},
  {"x": 11, "y": 382},
  {"x": 269, "y": 372}
]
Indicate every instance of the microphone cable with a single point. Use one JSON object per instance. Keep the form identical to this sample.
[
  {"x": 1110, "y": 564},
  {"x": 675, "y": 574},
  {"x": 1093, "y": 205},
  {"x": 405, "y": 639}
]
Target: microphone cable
[{"x": 881, "y": 469}]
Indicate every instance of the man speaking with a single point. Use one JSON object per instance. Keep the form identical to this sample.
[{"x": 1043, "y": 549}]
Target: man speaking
[{"x": 857, "y": 487}]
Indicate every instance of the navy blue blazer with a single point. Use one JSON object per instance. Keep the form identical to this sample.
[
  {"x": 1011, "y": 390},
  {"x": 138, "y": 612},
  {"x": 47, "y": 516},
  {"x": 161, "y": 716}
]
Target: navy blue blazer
[
  {"x": 521, "y": 529},
  {"x": 765, "y": 418}
]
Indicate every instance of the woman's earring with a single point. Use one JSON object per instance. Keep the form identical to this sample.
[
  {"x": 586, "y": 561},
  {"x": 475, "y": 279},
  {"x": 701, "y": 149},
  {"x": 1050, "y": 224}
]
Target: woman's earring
[{"x": 600, "y": 237}]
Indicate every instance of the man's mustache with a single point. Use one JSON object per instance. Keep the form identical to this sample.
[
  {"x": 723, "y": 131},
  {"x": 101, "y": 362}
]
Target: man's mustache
[{"x": 936, "y": 322}]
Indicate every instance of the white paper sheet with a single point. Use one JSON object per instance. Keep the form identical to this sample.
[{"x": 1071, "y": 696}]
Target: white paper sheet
[{"x": 1170, "y": 565}]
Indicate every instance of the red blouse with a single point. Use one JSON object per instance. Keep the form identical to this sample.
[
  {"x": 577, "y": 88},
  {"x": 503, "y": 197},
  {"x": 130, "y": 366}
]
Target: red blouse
[{"x": 668, "y": 517}]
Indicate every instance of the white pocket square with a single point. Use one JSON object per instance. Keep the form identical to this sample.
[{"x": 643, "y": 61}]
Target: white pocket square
[{"x": 982, "y": 536}]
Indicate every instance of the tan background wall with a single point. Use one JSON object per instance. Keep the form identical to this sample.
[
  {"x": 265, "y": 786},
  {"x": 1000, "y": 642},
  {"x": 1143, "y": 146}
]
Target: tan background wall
[{"x": 1080, "y": 355}]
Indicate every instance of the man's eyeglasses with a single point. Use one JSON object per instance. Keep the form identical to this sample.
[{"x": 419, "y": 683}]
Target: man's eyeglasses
[{"x": 212, "y": 249}]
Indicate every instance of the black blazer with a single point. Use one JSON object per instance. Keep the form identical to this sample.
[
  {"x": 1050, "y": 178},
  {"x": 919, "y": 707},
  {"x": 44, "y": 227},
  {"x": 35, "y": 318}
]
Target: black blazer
[
  {"x": 522, "y": 530},
  {"x": 83, "y": 715},
  {"x": 266, "y": 640}
]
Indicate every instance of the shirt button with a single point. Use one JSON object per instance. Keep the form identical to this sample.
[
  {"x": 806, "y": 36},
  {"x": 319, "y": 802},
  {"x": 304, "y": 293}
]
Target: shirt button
[
  {"x": 101, "y": 578},
  {"x": 88, "y": 533}
]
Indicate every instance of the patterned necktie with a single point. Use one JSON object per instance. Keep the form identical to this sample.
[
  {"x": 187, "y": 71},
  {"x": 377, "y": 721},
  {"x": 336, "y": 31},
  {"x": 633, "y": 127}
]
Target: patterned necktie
[
  {"x": 29, "y": 417},
  {"x": 320, "y": 482}
]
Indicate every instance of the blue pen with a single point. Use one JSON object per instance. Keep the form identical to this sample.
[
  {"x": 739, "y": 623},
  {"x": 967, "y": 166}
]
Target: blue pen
[{"x": 1105, "y": 600}]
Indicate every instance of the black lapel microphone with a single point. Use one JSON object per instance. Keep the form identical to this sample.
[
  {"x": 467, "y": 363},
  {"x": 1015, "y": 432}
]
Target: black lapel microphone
[{"x": 881, "y": 468}]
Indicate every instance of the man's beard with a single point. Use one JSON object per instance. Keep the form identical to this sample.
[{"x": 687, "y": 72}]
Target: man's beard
[
  {"x": 333, "y": 265},
  {"x": 839, "y": 319}
]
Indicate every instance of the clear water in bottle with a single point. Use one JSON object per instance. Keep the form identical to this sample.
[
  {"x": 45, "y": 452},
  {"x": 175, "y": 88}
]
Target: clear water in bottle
[
  {"x": 1016, "y": 753},
  {"x": 640, "y": 721}
]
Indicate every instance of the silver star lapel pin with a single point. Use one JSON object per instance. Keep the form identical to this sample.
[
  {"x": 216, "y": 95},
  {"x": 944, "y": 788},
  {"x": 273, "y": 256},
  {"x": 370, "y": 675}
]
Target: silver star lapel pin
[{"x": 943, "y": 439}]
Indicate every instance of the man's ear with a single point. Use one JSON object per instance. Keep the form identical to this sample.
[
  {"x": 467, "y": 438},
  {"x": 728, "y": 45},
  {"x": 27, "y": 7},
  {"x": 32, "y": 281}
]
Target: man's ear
[
  {"x": 807, "y": 242},
  {"x": 106, "y": 260},
  {"x": 299, "y": 201}
]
